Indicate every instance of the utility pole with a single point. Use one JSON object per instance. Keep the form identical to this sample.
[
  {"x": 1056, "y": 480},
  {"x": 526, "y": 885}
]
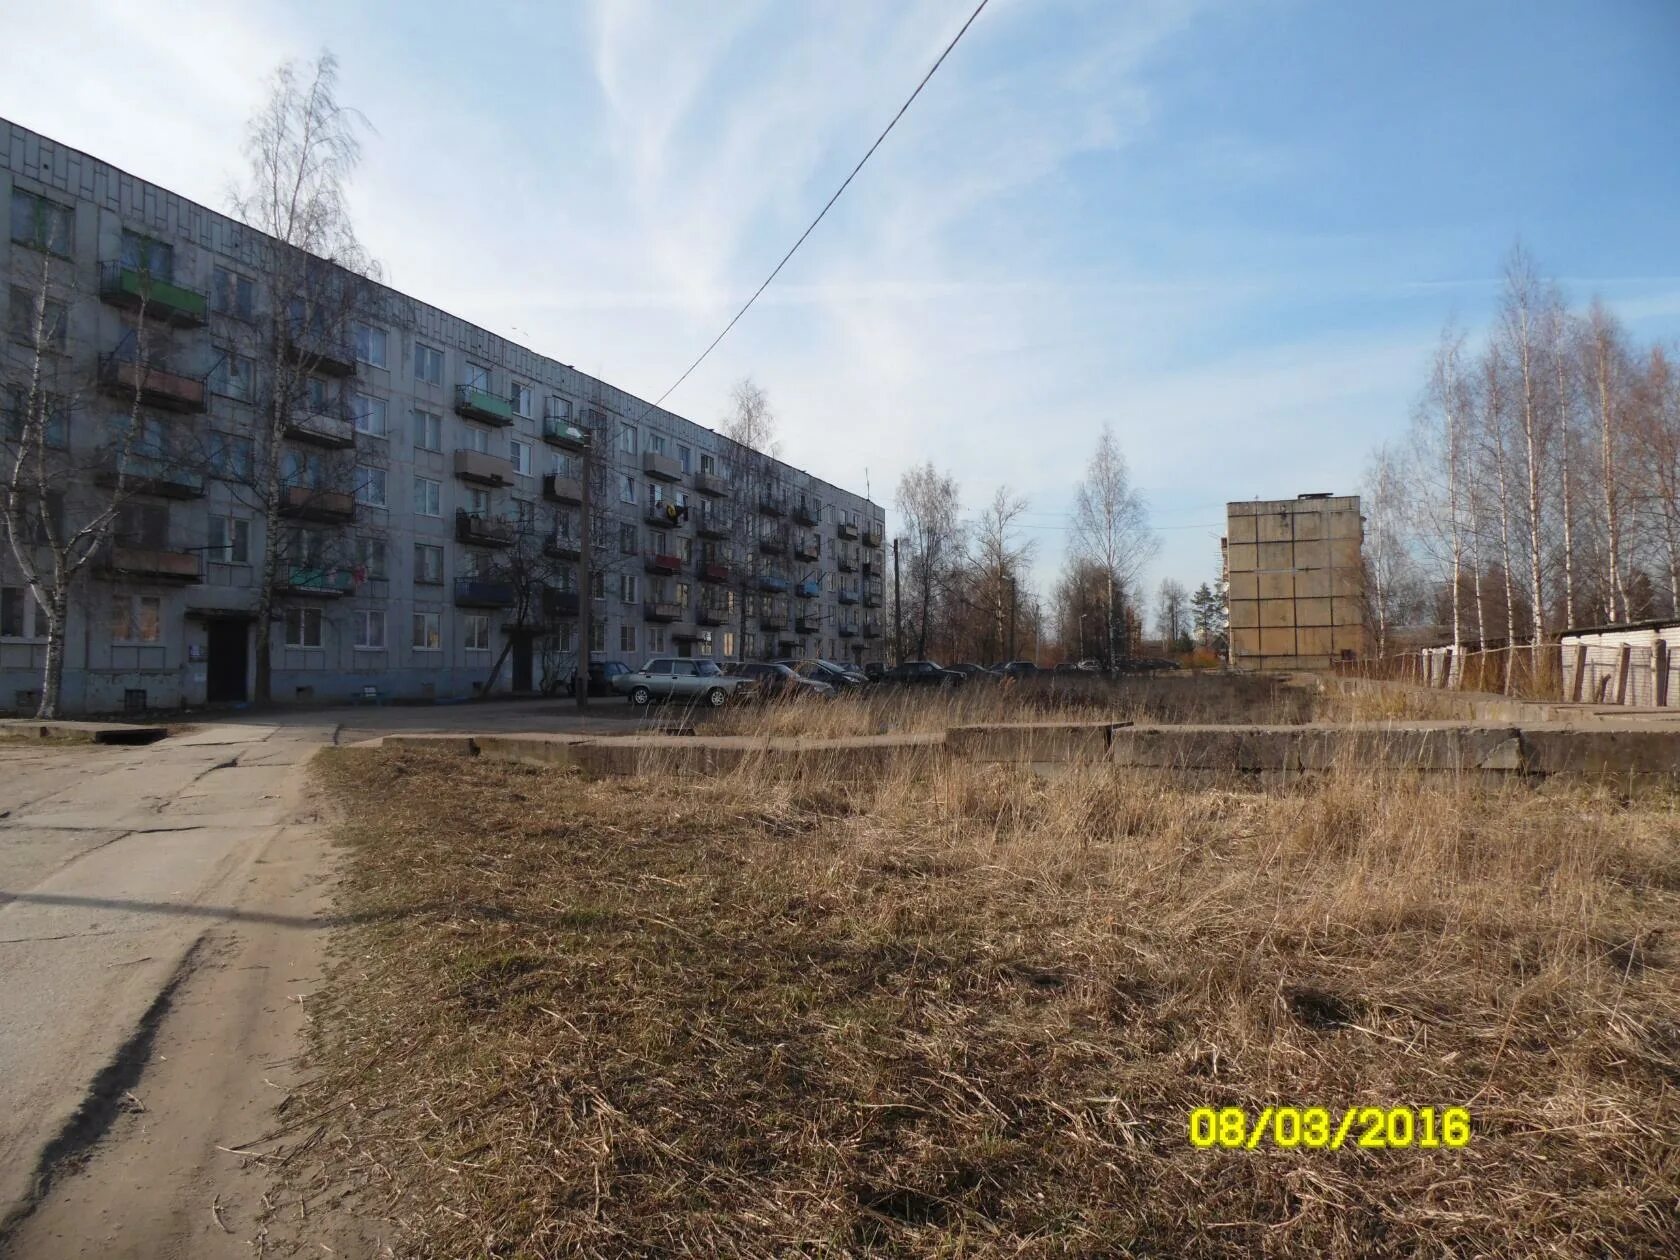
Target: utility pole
[
  {"x": 1014, "y": 606},
  {"x": 586, "y": 589},
  {"x": 898, "y": 612}
]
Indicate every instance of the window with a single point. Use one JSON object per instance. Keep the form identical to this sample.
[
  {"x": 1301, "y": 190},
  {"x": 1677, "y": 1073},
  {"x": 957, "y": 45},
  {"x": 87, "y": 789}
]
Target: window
[
  {"x": 656, "y": 643},
  {"x": 232, "y": 294},
  {"x": 597, "y": 637},
  {"x": 51, "y": 414},
  {"x": 370, "y": 346},
  {"x": 597, "y": 584},
  {"x": 682, "y": 594},
  {"x": 519, "y": 455},
  {"x": 627, "y": 638},
  {"x": 728, "y": 643},
  {"x": 559, "y": 408},
  {"x": 136, "y": 618},
  {"x": 142, "y": 525},
  {"x": 321, "y": 396},
  {"x": 306, "y": 548},
  {"x": 627, "y": 540},
  {"x": 303, "y": 627},
  {"x": 53, "y": 324},
  {"x": 656, "y": 443},
  {"x": 525, "y": 513},
  {"x": 20, "y": 616},
  {"x": 428, "y": 564},
  {"x": 426, "y": 635},
  {"x": 428, "y": 497},
  {"x": 685, "y": 457},
  {"x": 626, "y": 488},
  {"x": 477, "y": 376},
  {"x": 520, "y": 396},
  {"x": 428, "y": 364},
  {"x": 479, "y": 439},
  {"x": 428, "y": 430},
  {"x": 145, "y": 253},
  {"x": 627, "y": 587},
  {"x": 230, "y": 540},
  {"x": 232, "y": 456},
  {"x": 478, "y": 632},
  {"x": 370, "y": 557},
  {"x": 369, "y": 414},
  {"x": 41, "y": 224},
  {"x": 708, "y": 462},
  {"x": 479, "y": 503},
  {"x": 370, "y": 629},
  {"x": 370, "y": 486},
  {"x": 627, "y": 439},
  {"x": 473, "y": 564},
  {"x": 234, "y": 376}
]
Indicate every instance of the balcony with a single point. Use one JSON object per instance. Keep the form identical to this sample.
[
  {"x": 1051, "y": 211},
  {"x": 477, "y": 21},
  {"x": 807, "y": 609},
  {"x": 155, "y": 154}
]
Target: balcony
[
  {"x": 810, "y": 588},
  {"x": 473, "y": 403},
  {"x": 774, "y": 543},
  {"x": 158, "y": 387},
  {"x": 772, "y": 503},
  {"x": 153, "y": 474},
  {"x": 322, "y": 428},
  {"x": 771, "y": 582},
  {"x": 846, "y": 530},
  {"x": 873, "y": 535},
  {"x": 133, "y": 289},
  {"x": 482, "y": 468},
  {"x": 563, "y": 546},
  {"x": 715, "y": 524},
  {"x": 773, "y": 616},
  {"x": 320, "y": 350},
  {"x": 872, "y": 629},
  {"x": 808, "y": 547},
  {"x": 561, "y": 432},
  {"x": 711, "y": 614},
  {"x": 662, "y": 562},
  {"x": 311, "y": 503},
  {"x": 687, "y": 634},
  {"x": 872, "y": 595},
  {"x": 715, "y": 573},
  {"x": 807, "y": 623},
  {"x": 661, "y": 467},
  {"x": 316, "y": 581},
  {"x": 806, "y": 511},
  {"x": 476, "y": 592},
  {"x": 659, "y": 610},
  {"x": 559, "y": 604},
  {"x": 665, "y": 513},
  {"x": 848, "y": 596},
  {"x": 562, "y": 489},
  {"x": 846, "y": 562},
  {"x": 712, "y": 484},
  {"x": 480, "y": 530},
  {"x": 848, "y": 629},
  {"x": 152, "y": 562}
]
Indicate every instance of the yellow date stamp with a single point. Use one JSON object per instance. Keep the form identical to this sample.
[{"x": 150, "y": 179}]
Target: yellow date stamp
[{"x": 1327, "y": 1129}]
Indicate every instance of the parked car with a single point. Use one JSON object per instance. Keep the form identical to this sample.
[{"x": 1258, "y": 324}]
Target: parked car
[
  {"x": 874, "y": 670},
  {"x": 1065, "y": 667},
  {"x": 680, "y": 678},
  {"x": 831, "y": 672},
  {"x": 923, "y": 674},
  {"x": 1090, "y": 665},
  {"x": 776, "y": 681},
  {"x": 601, "y": 675},
  {"x": 1017, "y": 669},
  {"x": 971, "y": 671}
]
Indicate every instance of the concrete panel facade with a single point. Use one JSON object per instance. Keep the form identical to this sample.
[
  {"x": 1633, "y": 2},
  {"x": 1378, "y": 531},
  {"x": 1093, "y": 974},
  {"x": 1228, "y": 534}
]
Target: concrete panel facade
[{"x": 1295, "y": 582}]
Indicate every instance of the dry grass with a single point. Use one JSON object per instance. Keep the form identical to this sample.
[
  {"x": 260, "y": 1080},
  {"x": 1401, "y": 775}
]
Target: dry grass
[
  {"x": 1346, "y": 702},
  {"x": 893, "y": 710},
  {"x": 968, "y": 1014}
]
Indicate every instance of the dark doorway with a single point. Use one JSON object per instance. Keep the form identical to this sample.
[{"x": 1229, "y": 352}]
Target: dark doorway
[
  {"x": 225, "y": 675},
  {"x": 522, "y": 662}
]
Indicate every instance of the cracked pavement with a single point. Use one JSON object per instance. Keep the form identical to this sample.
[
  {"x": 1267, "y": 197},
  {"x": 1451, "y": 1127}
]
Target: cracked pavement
[{"x": 114, "y": 862}]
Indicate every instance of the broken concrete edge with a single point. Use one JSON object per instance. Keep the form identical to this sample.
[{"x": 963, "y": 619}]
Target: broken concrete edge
[
  {"x": 91, "y": 732},
  {"x": 1444, "y": 747}
]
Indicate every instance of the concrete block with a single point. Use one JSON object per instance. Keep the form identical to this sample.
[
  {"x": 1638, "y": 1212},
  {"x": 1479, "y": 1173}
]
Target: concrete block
[
  {"x": 1347, "y": 639},
  {"x": 1240, "y": 529},
  {"x": 466, "y": 745},
  {"x": 1245, "y": 613},
  {"x": 1313, "y": 554},
  {"x": 1346, "y": 611},
  {"x": 1276, "y": 585},
  {"x": 1312, "y": 641},
  {"x": 1277, "y": 613},
  {"x": 531, "y": 749},
  {"x": 1277, "y": 642},
  {"x": 1312, "y": 584},
  {"x": 1274, "y": 528},
  {"x": 1241, "y": 557},
  {"x": 1242, "y": 586},
  {"x": 1030, "y": 741},
  {"x": 1309, "y": 525},
  {"x": 1275, "y": 555},
  {"x": 1600, "y": 753},
  {"x": 1245, "y": 640},
  {"x": 1344, "y": 553},
  {"x": 1345, "y": 524},
  {"x": 1312, "y": 612}
]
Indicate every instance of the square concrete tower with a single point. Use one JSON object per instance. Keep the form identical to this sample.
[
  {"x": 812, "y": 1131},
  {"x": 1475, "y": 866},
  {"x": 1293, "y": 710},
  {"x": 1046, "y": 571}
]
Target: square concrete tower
[{"x": 1296, "y": 581}]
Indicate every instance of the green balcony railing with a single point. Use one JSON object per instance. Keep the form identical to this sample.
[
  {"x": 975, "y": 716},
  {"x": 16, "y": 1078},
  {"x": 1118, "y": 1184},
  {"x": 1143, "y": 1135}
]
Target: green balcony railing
[
  {"x": 134, "y": 288},
  {"x": 481, "y": 404},
  {"x": 320, "y": 581}
]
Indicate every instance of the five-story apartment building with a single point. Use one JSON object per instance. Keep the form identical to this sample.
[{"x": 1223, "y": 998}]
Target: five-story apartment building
[{"x": 434, "y": 482}]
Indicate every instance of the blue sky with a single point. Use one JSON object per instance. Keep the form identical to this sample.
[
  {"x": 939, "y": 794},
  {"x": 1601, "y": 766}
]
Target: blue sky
[{"x": 1230, "y": 230}]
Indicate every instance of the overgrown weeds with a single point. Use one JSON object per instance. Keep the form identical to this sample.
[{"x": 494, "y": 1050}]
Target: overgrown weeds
[{"x": 969, "y": 1012}]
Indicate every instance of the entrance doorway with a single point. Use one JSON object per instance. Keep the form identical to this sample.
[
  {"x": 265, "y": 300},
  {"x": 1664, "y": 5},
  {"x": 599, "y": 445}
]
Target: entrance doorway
[
  {"x": 224, "y": 675},
  {"x": 522, "y": 662}
]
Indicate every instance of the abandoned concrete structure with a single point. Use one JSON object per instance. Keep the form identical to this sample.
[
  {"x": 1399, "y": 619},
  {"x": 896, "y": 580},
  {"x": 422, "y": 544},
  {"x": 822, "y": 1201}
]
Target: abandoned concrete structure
[{"x": 1295, "y": 582}]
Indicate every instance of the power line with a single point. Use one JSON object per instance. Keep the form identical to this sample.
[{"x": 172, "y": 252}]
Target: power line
[{"x": 828, "y": 206}]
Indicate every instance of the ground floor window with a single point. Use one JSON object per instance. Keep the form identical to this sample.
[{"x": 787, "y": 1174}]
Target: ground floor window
[
  {"x": 303, "y": 627},
  {"x": 728, "y": 644},
  {"x": 370, "y": 628},
  {"x": 427, "y": 633},
  {"x": 597, "y": 637},
  {"x": 136, "y": 618},
  {"x": 20, "y": 616},
  {"x": 627, "y": 638},
  {"x": 655, "y": 639},
  {"x": 478, "y": 632}
]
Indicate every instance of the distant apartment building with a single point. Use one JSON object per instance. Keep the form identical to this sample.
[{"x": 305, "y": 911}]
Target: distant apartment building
[
  {"x": 1295, "y": 582},
  {"x": 424, "y": 452}
]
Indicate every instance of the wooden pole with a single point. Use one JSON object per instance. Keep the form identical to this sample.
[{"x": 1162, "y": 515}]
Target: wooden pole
[
  {"x": 1622, "y": 659},
  {"x": 1580, "y": 671}
]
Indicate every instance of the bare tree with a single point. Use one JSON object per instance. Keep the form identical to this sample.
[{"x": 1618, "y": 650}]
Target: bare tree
[
  {"x": 750, "y": 426},
  {"x": 928, "y": 502},
  {"x": 998, "y": 563},
  {"x": 1521, "y": 320},
  {"x": 1172, "y": 614},
  {"x": 64, "y": 500},
  {"x": 1111, "y": 529},
  {"x": 302, "y": 147}
]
